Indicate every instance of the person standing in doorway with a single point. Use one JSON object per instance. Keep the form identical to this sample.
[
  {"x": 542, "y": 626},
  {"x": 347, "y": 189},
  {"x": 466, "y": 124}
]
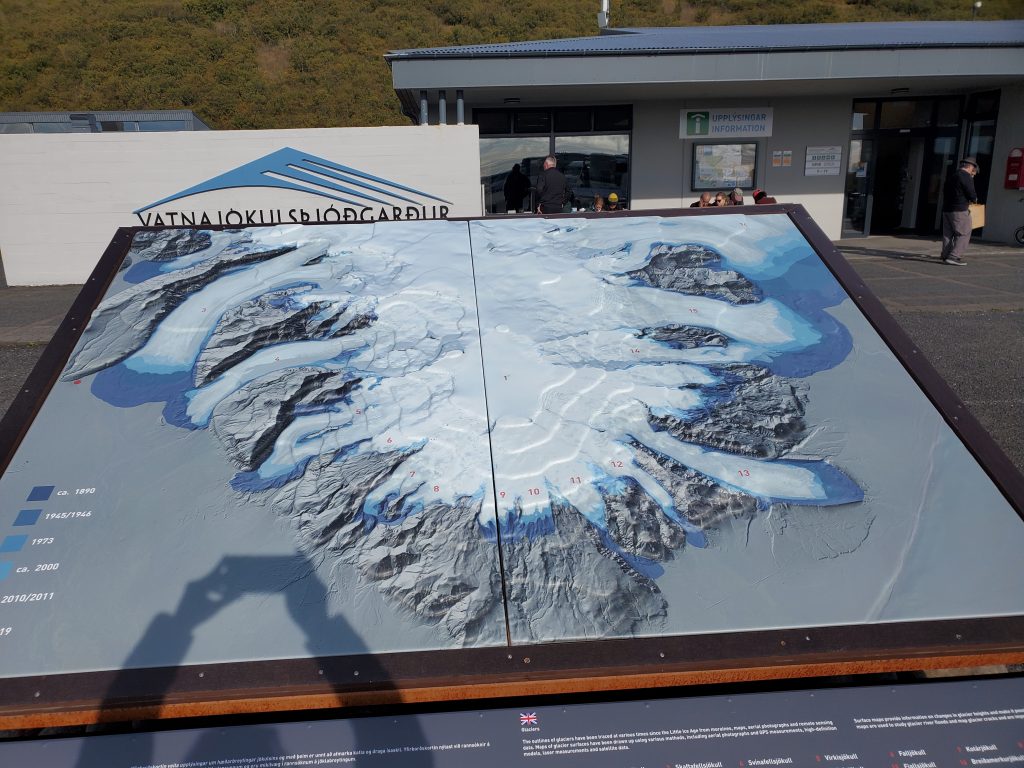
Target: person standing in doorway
[
  {"x": 516, "y": 187},
  {"x": 956, "y": 215},
  {"x": 551, "y": 188}
]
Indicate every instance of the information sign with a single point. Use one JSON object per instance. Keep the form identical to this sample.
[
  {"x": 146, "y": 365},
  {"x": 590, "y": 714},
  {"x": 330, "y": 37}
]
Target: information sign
[
  {"x": 731, "y": 123},
  {"x": 724, "y": 166},
  {"x": 782, "y": 158},
  {"x": 823, "y": 161},
  {"x": 909, "y": 726}
]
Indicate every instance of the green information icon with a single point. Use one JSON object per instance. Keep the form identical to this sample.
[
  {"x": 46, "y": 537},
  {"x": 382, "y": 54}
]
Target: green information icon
[{"x": 697, "y": 123}]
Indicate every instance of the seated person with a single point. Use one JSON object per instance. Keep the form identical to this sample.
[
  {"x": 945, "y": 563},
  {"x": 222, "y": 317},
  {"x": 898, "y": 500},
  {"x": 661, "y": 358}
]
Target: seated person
[
  {"x": 761, "y": 198},
  {"x": 704, "y": 202},
  {"x": 598, "y": 203},
  {"x": 736, "y": 197},
  {"x": 721, "y": 201},
  {"x": 613, "y": 203}
]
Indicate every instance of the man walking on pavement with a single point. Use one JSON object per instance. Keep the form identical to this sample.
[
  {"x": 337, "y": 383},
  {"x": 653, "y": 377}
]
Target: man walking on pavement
[
  {"x": 956, "y": 216},
  {"x": 550, "y": 188}
]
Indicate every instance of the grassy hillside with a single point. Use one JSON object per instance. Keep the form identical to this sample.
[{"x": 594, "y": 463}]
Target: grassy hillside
[{"x": 305, "y": 63}]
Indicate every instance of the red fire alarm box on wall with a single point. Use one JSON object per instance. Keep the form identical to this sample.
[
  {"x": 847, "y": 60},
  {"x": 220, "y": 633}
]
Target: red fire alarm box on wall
[{"x": 1014, "y": 178}]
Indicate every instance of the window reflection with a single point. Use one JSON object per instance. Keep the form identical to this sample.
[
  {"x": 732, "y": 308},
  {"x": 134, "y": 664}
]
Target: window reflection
[
  {"x": 497, "y": 156},
  {"x": 594, "y": 165}
]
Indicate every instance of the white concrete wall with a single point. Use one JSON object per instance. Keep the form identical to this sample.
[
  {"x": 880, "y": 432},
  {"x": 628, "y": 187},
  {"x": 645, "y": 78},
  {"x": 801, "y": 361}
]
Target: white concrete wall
[
  {"x": 661, "y": 172},
  {"x": 62, "y": 196},
  {"x": 1004, "y": 208}
]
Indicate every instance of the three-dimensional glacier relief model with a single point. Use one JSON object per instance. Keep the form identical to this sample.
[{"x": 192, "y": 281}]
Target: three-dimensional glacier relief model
[
  {"x": 449, "y": 434},
  {"x": 638, "y": 391}
]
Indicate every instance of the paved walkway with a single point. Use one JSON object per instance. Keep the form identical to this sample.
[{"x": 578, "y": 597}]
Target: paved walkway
[{"x": 906, "y": 274}]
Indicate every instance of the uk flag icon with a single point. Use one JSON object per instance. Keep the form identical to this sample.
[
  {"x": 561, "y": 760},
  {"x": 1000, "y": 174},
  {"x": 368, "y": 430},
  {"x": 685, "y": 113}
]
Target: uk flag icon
[{"x": 527, "y": 718}]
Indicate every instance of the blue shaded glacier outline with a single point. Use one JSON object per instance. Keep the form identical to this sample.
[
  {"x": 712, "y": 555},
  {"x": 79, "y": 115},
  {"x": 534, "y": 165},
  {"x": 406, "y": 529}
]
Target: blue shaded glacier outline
[{"x": 625, "y": 541}]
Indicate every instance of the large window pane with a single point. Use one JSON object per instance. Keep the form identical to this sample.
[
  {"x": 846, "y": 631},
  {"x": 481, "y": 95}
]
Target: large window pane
[
  {"x": 493, "y": 121},
  {"x": 497, "y": 156},
  {"x": 573, "y": 120},
  {"x": 947, "y": 114},
  {"x": 983, "y": 105},
  {"x": 533, "y": 121},
  {"x": 594, "y": 165},
  {"x": 906, "y": 114},
  {"x": 613, "y": 118}
]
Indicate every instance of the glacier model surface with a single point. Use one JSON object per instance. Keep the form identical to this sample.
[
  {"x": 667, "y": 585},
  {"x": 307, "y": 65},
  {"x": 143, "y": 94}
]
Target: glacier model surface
[
  {"x": 340, "y": 371},
  {"x": 640, "y": 391},
  {"x": 496, "y": 431}
]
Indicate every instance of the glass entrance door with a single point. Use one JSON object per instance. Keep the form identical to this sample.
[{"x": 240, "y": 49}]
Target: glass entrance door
[
  {"x": 857, "y": 215},
  {"x": 892, "y": 184},
  {"x": 938, "y": 162},
  {"x": 901, "y": 151}
]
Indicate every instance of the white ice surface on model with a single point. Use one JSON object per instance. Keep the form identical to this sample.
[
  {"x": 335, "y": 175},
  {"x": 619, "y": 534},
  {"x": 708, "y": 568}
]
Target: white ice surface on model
[
  {"x": 573, "y": 379},
  {"x": 571, "y": 383},
  {"x": 419, "y": 362},
  {"x": 179, "y": 338}
]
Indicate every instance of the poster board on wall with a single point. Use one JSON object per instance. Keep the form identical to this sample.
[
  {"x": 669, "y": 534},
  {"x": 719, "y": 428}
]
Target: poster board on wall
[{"x": 724, "y": 166}]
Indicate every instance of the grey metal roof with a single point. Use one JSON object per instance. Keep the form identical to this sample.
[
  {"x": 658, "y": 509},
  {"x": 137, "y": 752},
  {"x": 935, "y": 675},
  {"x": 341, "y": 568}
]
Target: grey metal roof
[
  {"x": 65, "y": 117},
  {"x": 782, "y": 37}
]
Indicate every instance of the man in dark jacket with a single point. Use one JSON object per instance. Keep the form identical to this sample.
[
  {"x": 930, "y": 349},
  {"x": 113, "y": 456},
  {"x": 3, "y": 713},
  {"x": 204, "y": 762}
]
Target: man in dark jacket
[
  {"x": 550, "y": 188},
  {"x": 956, "y": 216}
]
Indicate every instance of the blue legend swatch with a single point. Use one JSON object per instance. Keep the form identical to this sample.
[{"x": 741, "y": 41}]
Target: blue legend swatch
[
  {"x": 5, "y": 570},
  {"x": 41, "y": 493},
  {"x": 28, "y": 517},
  {"x": 13, "y": 543}
]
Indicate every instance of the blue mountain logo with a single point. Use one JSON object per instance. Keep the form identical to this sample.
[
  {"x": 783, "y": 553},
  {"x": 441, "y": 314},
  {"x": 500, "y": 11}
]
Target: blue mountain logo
[{"x": 302, "y": 172}]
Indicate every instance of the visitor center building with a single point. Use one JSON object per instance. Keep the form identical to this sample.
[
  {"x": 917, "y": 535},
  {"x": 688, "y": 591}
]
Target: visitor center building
[{"x": 860, "y": 123}]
